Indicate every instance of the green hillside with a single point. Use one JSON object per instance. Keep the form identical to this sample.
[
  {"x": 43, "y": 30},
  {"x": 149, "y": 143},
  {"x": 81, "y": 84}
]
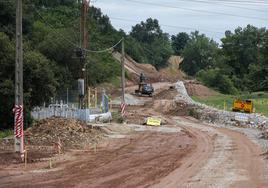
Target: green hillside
[{"x": 51, "y": 38}]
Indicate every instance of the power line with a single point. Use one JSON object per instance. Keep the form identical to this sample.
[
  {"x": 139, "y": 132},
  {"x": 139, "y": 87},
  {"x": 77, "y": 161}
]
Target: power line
[
  {"x": 68, "y": 40},
  {"x": 75, "y": 45},
  {"x": 105, "y": 50},
  {"x": 54, "y": 29},
  {"x": 195, "y": 10},
  {"x": 222, "y": 4},
  {"x": 241, "y": 2},
  {"x": 172, "y": 26}
]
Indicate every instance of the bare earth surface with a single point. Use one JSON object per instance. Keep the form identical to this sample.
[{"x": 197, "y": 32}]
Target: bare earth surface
[
  {"x": 138, "y": 160},
  {"x": 195, "y": 156},
  {"x": 181, "y": 153}
]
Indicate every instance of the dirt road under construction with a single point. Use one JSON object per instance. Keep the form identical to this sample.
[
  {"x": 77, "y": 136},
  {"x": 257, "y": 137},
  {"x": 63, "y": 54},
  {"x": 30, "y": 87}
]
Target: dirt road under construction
[{"x": 182, "y": 153}]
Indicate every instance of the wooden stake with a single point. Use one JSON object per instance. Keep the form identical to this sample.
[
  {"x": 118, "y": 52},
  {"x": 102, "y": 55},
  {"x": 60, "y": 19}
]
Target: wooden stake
[
  {"x": 95, "y": 148},
  {"x": 25, "y": 157},
  {"x": 50, "y": 163}
]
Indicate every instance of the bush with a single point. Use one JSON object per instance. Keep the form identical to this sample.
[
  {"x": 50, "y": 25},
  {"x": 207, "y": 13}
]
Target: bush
[
  {"x": 193, "y": 113},
  {"x": 215, "y": 79},
  {"x": 117, "y": 117},
  {"x": 6, "y": 133}
]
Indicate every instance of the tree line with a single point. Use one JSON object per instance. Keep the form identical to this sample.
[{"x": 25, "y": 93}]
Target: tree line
[
  {"x": 238, "y": 64},
  {"x": 51, "y": 38}
]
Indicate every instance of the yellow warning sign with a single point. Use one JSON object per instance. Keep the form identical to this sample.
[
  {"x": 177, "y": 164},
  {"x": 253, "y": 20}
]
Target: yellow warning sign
[{"x": 153, "y": 121}]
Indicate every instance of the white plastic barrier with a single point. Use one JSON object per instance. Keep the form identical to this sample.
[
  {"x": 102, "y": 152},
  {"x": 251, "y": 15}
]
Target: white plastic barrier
[{"x": 100, "y": 117}]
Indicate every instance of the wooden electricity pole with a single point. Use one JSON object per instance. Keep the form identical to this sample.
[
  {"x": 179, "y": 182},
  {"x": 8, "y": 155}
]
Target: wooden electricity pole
[
  {"x": 19, "y": 79},
  {"x": 83, "y": 24},
  {"x": 83, "y": 42},
  {"x": 123, "y": 70}
]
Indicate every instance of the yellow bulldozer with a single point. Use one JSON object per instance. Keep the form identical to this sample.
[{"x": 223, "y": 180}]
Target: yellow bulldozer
[{"x": 240, "y": 105}]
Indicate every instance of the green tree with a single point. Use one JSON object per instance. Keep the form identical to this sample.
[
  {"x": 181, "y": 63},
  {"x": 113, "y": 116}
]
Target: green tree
[
  {"x": 199, "y": 53},
  {"x": 7, "y": 17},
  {"x": 147, "y": 32},
  {"x": 245, "y": 53},
  {"x": 216, "y": 79},
  {"x": 151, "y": 45},
  {"x": 179, "y": 41},
  {"x": 40, "y": 82}
]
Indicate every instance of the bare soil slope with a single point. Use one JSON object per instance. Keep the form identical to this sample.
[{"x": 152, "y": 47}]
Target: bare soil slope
[
  {"x": 170, "y": 73},
  {"x": 196, "y": 88}
]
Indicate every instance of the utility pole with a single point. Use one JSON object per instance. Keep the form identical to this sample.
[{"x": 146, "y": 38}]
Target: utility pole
[
  {"x": 83, "y": 42},
  {"x": 18, "y": 110},
  {"x": 83, "y": 24},
  {"x": 123, "y": 70}
]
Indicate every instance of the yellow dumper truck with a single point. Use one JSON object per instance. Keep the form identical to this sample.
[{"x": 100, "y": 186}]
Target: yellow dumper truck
[{"x": 243, "y": 105}]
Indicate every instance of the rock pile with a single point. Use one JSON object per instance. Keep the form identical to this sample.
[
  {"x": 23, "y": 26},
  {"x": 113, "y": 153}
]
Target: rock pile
[
  {"x": 71, "y": 133},
  {"x": 264, "y": 135}
]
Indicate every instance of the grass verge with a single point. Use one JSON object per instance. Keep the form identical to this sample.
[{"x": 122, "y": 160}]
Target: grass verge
[
  {"x": 260, "y": 101},
  {"x": 5, "y": 133}
]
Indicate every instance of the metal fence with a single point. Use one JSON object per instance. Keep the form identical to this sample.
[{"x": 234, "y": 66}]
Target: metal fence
[
  {"x": 70, "y": 110},
  {"x": 66, "y": 112}
]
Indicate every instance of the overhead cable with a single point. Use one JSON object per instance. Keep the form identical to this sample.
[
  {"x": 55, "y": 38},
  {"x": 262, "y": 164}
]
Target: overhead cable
[
  {"x": 172, "y": 26},
  {"x": 195, "y": 10},
  {"x": 105, "y": 50},
  {"x": 222, "y": 4},
  {"x": 75, "y": 45}
]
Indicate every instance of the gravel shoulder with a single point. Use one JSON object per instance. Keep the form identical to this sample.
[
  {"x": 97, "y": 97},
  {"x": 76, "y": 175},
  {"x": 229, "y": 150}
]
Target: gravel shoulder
[{"x": 224, "y": 158}]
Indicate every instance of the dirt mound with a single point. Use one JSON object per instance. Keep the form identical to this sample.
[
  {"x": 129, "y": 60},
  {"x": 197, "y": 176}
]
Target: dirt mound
[
  {"x": 170, "y": 73},
  {"x": 168, "y": 94},
  {"x": 173, "y": 72},
  {"x": 71, "y": 133},
  {"x": 135, "y": 69},
  {"x": 163, "y": 106},
  {"x": 195, "y": 88}
]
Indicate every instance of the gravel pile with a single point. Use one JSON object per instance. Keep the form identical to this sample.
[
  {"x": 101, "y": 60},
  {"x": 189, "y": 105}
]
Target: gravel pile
[{"x": 72, "y": 133}]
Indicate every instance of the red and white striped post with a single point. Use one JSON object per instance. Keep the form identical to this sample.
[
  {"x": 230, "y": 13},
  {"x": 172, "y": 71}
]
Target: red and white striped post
[
  {"x": 18, "y": 128},
  {"x": 123, "y": 107},
  {"x": 18, "y": 108}
]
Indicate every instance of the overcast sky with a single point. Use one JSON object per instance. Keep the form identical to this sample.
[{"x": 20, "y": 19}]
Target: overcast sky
[{"x": 211, "y": 17}]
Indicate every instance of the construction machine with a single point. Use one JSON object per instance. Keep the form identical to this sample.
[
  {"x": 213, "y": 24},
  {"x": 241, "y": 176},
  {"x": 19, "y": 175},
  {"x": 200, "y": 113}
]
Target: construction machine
[
  {"x": 243, "y": 106},
  {"x": 144, "y": 87}
]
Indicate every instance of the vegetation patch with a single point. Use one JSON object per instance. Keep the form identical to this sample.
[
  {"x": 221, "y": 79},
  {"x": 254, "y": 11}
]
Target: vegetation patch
[
  {"x": 260, "y": 101},
  {"x": 5, "y": 133}
]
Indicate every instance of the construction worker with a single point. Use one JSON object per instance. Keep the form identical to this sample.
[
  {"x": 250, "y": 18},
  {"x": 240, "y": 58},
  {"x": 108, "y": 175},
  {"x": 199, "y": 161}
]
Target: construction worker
[{"x": 142, "y": 80}]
